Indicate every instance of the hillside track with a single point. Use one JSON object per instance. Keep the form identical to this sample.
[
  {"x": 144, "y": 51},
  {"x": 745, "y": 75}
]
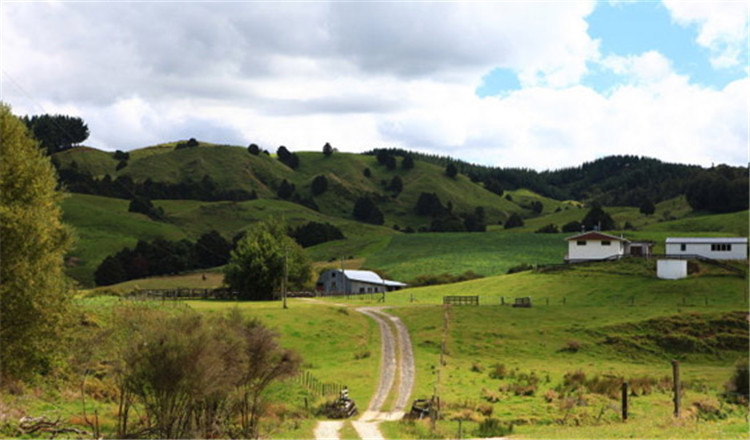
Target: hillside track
[{"x": 397, "y": 366}]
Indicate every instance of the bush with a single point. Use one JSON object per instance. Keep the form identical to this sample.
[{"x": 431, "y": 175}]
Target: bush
[
  {"x": 549, "y": 229},
  {"x": 451, "y": 171},
  {"x": 498, "y": 371},
  {"x": 514, "y": 221},
  {"x": 738, "y": 387},
  {"x": 574, "y": 226},
  {"x": 287, "y": 158},
  {"x": 319, "y": 185},
  {"x": 253, "y": 149},
  {"x": 366, "y": 211},
  {"x": 572, "y": 346},
  {"x": 314, "y": 233},
  {"x": 491, "y": 427},
  {"x": 285, "y": 190},
  {"x": 520, "y": 268}
]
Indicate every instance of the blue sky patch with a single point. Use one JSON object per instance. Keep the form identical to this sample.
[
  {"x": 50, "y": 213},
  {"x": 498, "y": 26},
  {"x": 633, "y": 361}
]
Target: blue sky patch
[
  {"x": 499, "y": 81},
  {"x": 635, "y": 28}
]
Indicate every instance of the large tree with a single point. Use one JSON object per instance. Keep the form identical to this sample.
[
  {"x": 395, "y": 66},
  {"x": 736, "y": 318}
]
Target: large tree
[
  {"x": 33, "y": 293},
  {"x": 57, "y": 132},
  {"x": 256, "y": 265}
]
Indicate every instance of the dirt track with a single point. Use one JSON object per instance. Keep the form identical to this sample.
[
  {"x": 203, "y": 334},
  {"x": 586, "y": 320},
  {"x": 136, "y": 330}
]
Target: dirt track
[{"x": 397, "y": 357}]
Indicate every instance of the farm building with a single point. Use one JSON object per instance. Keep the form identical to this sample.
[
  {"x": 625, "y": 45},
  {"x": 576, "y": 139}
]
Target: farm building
[
  {"x": 594, "y": 245},
  {"x": 353, "y": 282},
  {"x": 733, "y": 248}
]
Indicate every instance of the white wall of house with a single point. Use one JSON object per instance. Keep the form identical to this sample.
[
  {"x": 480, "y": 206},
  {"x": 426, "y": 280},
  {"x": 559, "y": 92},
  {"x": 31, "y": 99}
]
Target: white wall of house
[
  {"x": 594, "y": 249},
  {"x": 717, "y": 251},
  {"x": 671, "y": 269}
]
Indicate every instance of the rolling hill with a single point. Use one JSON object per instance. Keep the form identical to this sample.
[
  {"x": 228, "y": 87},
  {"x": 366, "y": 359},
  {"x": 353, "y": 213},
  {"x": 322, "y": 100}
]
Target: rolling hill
[{"x": 104, "y": 225}]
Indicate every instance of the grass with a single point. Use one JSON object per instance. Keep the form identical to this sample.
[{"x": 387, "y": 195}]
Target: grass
[
  {"x": 621, "y": 299},
  {"x": 408, "y": 255}
]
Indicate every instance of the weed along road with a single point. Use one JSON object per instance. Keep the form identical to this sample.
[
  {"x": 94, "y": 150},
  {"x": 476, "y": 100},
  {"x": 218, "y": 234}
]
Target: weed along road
[{"x": 396, "y": 376}]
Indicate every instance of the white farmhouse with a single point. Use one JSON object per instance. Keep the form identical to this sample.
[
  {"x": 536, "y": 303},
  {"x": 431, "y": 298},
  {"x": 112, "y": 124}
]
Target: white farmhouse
[
  {"x": 733, "y": 248},
  {"x": 594, "y": 245},
  {"x": 338, "y": 281}
]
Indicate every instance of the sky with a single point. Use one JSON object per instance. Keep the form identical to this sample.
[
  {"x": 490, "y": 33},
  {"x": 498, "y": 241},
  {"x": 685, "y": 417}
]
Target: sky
[{"x": 533, "y": 84}]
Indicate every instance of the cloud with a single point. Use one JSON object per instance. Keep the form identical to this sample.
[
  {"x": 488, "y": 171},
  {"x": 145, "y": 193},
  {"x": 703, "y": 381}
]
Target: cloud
[
  {"x": 722, "y": 27},
  {"x": 362, "y": 75}
]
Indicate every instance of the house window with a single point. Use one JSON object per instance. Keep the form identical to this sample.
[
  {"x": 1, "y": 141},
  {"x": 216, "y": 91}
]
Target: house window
[
  {"x": 333, "y": 286},
  {"x": 581, "y": 242},
  {"x": 683, "y": 247},
  {"x": 723, "y": 247},
  {"x": 361, "y": 290},
  {"x": 333, "y": 274},
  {"x": 606, "y": 242}
]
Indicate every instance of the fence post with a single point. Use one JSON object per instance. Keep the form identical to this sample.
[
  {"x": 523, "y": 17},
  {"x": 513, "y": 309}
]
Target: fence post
[
  {"x": 547, "y": 300},
  {"x": 459, "y": 429},
  {"x": 624, "y": 401},
  {"x": 676, "y": 378},
  {"x": 502, "y": 300}
]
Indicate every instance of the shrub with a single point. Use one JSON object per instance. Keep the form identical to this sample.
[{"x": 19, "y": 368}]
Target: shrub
[
  {"x": 319, "y": 185},
  {"x": 572, "y": 346},
  {"x": 519, "y": 268},
  {"x": 498, "y": 371},
  {"x": 514, "y": 221},
  {"x": 253, "y": 149},
  {"x": 314, "y": 233},
  {"x": 366, "y": 211},
  {"x": 738, "y": 387},
  {"x": 367, "y": 172},
  {"x": 476, "y": 367},
  {"x": 451, "y": 170},
  {"x": 491, "y": 427},
  {"x": 549, "y": 229}
]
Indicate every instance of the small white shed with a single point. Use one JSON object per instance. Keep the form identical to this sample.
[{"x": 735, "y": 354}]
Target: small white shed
[
  {"x": 671, "y": 269},
  {"x": 724, "y": 248},
  {"x": 354, "y": 281}
]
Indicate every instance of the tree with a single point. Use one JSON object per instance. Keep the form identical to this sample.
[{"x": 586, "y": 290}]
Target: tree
[
  {"x": 256, "y": 265},
  {"x": 390, "y": 163},
  {"x": 451, "y": 171},
  {"x": 109, "y": 272},
  {"x": 212, "y": 250},
  {"x": 33, "y": 294},
  {"x": 515, "y": 221},
  {"x": 494, "y": 185},
  {"x": 396, "y": 185},
  {"x": 548, "y": 229},
  {"x": 57, "y": 132},
  {"x": 647, "y": 207},
  {"x": 253, "y": 149},
  {"x": 429, "y": 204},
  {"x": 408, "y": 162},
  {"x": 327, "y": 150},
  {"x": 367, "y": 172},
  {"x": 143, "y": 205},
  {"x": 598, "y": 219},
  {"x": 319, "y": 185},
  {"x": 313, "y": 233},
  {"x": 366, "y": 211},
  {"x": 287, "y": 157},
  {"x": 286, "y": 190},
  {"x": 574, "y": 226}
]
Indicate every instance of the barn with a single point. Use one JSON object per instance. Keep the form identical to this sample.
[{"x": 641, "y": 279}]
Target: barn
[
  {"x": 345, "y": 282},
  {"x": 594, "y": 245},
  {"x": 725, "y": 248}
]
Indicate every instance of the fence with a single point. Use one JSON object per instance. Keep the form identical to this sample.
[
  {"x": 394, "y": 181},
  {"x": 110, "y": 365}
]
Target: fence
[
  {"x": 470, "y": 300},
  {"x": 186, "y": 293},
  {"x": 317, "y": 387}
]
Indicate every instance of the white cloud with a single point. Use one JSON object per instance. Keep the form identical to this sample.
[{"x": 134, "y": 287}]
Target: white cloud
[
  {"x": 722, "y": 27},
  {"x": 361, "y": 75}
]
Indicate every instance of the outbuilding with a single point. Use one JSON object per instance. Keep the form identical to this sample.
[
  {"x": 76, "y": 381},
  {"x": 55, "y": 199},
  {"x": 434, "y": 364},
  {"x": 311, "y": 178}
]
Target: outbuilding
[
  {"x": 723, "y": 248},
  {"x": 594, "y": 245},
  {"x": 344, "y": 282}
]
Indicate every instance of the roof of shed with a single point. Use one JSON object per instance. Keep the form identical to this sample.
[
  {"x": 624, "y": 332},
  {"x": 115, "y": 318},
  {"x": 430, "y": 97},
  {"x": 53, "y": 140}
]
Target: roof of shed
[
  {"x": 367, "y": 276},
  {"x": 706, "y": 240},
  {"x": 595, "y": 235}
]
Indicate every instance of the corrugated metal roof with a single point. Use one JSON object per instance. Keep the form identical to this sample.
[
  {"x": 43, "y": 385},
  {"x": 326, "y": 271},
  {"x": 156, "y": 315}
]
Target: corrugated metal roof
[
  {"x": 595, "y": 235},
  {"x": 367, "y": 276},
  {"x": 706, "y": 240}
]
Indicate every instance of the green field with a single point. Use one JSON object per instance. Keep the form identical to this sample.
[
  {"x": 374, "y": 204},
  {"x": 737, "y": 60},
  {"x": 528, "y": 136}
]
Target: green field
[{"x": 614, "y": 315}]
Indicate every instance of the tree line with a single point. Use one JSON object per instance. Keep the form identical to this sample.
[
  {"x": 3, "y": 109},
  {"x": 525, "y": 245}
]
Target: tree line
[
  {"x": 620, "y": 180},
  {"x": 124, "y": 187}
]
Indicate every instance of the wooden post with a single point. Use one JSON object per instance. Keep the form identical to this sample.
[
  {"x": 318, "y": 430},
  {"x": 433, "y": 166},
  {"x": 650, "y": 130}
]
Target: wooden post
[
  {"x": 459, "y": 429},
  {"x": 564, "y": 300},
  {"x": 547, "y": 300},
  {"x": 624, "y": 401},
  {"x": 502, "y": 300},
  {"x": 676, "y": 378}
]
